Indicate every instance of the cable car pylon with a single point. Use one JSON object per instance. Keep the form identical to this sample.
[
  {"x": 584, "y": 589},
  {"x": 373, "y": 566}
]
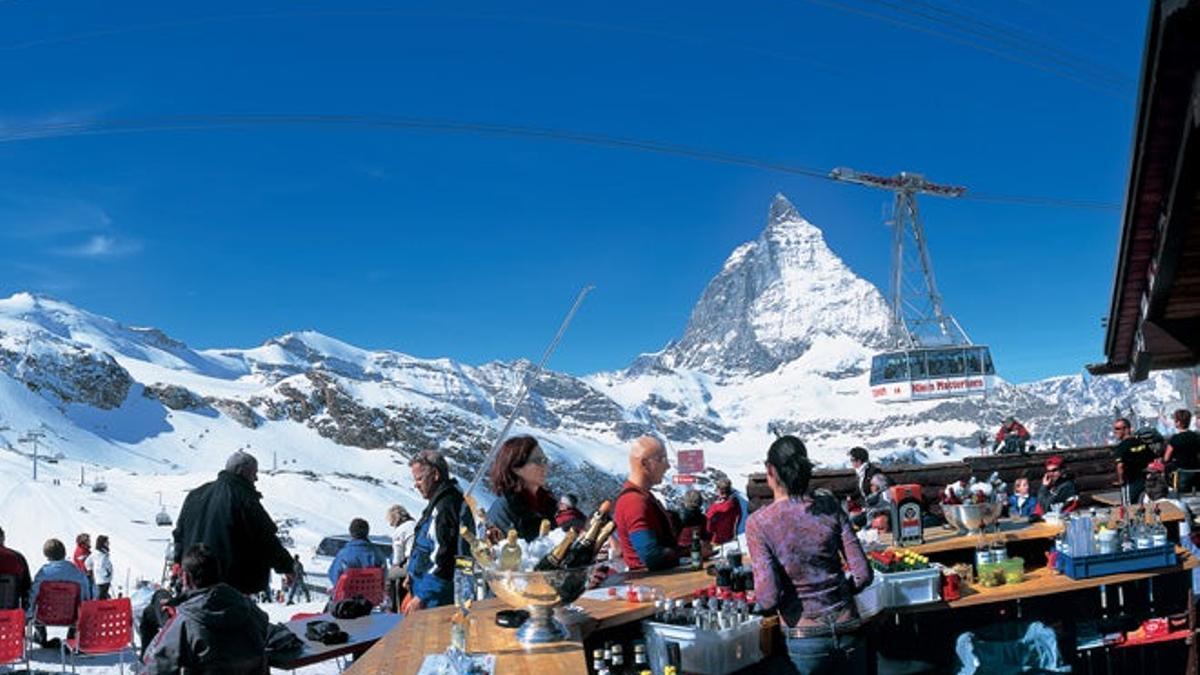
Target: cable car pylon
[{"x": 933, "y": 357}]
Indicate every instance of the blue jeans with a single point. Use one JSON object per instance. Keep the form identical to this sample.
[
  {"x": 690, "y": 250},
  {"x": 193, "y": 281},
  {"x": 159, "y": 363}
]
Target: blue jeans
[{"x": 839, "y": 654}]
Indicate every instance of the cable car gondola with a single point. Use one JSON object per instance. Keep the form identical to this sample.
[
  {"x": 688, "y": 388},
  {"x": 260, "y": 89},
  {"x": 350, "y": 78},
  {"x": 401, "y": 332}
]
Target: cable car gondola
[
  {"x": 931, "y": 372},
  {"x": 932, "y": 357}
]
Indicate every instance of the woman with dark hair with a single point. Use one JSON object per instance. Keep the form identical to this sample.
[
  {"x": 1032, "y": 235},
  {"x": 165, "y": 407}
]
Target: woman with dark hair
[
  {"x": 99, "y": 567},
  {"x": 796, "y": 545},
  {"x": 518, "y": 477}
]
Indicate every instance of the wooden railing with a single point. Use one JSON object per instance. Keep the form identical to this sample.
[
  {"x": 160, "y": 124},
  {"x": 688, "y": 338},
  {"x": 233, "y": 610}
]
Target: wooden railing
[{"x": 1093, "y": 470}]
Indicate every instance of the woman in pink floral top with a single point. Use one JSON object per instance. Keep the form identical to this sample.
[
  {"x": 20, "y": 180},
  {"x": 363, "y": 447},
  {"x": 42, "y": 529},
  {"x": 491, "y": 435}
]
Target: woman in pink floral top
[{"x": 797, "y": 545}]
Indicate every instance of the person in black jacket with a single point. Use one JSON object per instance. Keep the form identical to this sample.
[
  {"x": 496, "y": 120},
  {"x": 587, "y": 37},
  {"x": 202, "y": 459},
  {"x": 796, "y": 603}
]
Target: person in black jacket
[
  {"x": 227, "y": 515},
  {"x": 436, "y": 540},
  {"x": 216, "y": 629},
  {"x": 518, "y": 476}
]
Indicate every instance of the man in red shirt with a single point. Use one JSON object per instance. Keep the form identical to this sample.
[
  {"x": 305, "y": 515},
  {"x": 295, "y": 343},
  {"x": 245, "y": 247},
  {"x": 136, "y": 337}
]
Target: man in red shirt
[
  {"x": 643, "y": 527},
  {"x": 724, "y": 514},
  {"x": 13, "y": 564}
]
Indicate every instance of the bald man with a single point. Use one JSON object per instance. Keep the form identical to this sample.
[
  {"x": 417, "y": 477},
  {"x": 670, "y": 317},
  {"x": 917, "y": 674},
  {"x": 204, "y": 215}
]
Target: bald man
[{"x": 643, "y": 527}]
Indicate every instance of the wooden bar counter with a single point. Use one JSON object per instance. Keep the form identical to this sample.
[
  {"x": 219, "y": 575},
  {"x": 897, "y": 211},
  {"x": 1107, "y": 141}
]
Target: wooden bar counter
[{"x": 428, "y": 632}]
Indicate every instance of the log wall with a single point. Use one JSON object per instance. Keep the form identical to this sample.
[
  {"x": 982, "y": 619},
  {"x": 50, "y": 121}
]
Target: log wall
[{"x": 1093, "y": 469}]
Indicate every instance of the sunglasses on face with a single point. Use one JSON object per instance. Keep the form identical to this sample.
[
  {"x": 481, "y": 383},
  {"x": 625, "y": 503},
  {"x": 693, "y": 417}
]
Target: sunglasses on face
[{"x": 538, "y": 458}]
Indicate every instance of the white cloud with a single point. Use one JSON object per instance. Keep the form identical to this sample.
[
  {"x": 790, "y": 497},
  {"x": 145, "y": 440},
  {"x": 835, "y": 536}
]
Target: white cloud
[{"x": 101, "y": 246}]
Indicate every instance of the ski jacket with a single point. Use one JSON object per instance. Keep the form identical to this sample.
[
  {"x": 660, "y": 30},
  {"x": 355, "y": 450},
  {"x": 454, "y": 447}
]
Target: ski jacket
[
  {"x": 723, "y": 516},
  {"x": 357, "y": 554},
  {"x": 228, "y": 516},
  {"x": 214, "y": 630},
  {"x": 436, "y": 543},
  {"x": 14, "y": 566},
  {"x": 100, "y": 567},
  {"x": 402, "y": 536},
  {"x": 522, "y": 513},
  {"x": 570, "y": 519},
  {"x": 79, "y": 558},
  {"x": 60, "y": 570}
]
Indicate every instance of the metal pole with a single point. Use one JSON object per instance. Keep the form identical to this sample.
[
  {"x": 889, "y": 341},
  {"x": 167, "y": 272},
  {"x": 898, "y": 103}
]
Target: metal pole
[{"x": 524, "y": 391}]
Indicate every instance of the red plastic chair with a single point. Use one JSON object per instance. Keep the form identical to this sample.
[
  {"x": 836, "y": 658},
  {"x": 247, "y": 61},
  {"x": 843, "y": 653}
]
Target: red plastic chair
[
  {"x": 105, "y": 627},
  {"x": 12, "y": 637},
  {"x": 364, "y": 581},
  {"x": 57, "y": 603}
]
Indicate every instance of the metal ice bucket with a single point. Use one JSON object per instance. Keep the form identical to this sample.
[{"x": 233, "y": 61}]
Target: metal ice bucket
[
  {"x": 973, "y": 517},
  {"x": 539, "y": 593}
]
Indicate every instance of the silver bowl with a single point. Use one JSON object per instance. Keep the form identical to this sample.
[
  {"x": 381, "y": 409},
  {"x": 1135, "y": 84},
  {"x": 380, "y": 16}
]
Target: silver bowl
[
  {"x": 539, "y": 593},
  {"x": 973, "y": 517}
]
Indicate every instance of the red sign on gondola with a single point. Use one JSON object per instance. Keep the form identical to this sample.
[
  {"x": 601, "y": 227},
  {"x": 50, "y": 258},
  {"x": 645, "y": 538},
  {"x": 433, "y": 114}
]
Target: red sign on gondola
[
  {"x": 684, "y": 479},
  {"x": 689, "y": 461}
]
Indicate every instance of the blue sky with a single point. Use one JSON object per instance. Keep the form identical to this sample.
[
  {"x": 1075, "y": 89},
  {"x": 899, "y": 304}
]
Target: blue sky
[{"x": 472, "y": 246}]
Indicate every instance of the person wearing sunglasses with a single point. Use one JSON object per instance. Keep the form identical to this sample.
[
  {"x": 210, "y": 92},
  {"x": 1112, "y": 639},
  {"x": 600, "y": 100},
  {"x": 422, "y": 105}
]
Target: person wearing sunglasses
[
  {"x": 518, "y": 477},
  {"x": 1133, "y": 456}
]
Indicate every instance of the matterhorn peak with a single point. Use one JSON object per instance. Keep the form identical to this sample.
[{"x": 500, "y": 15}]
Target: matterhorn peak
[
  {"x": 782, "y": 211},
  {"x": 773, "y": 298}
]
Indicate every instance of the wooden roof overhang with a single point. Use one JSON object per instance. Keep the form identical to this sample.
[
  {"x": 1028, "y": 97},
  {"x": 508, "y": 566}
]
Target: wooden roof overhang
[{"x": 1154, "y": 320}]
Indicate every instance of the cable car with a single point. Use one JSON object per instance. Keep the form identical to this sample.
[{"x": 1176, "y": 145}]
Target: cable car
[
  {"x": 163, "y": 519},
  {"x": 932, "y": 372}
]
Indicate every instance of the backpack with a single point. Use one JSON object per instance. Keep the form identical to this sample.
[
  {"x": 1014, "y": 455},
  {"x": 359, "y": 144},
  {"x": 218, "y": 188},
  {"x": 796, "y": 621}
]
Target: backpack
[{"x": 1152, "y": 440}]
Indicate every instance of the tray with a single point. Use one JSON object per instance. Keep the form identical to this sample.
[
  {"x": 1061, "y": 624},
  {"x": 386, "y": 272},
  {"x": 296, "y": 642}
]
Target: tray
[{"x": 1089, "y": 566}]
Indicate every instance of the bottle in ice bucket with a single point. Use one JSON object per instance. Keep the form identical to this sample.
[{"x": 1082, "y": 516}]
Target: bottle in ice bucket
[
  {"x": 583, "y": 551},
  {"x": 697, "y": 554},
  {"x": 510, "y": 553},
  {"x": 479, "y": 548},
  {"x": 554, "y": 559}
]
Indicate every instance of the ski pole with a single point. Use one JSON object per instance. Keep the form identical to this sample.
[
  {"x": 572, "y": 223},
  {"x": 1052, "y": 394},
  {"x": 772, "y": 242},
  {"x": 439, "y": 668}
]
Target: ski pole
[{"x": 526, "y": 382}]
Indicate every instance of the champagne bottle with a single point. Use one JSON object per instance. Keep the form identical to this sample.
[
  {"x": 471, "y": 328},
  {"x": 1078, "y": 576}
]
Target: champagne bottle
[
  {"x": 697, "y": 551},
  {"x": 478, "y": 547},
  {"x": 584, "y": 550},
  {"x": 510, "y": 553},
  {"x": 554, "y": 559},
  {"x": 541, "y": 545}
]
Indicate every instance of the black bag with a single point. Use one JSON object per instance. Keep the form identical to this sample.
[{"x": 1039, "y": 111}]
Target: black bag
[
  {"x": 282, "y": 644},
  {"x": 325, "y": 632},
  {"x": 350, "y": 608}
]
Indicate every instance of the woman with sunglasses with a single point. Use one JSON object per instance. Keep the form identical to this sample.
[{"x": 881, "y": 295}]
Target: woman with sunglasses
[
  {"x": 797, "y": 544},
  {"x": 518, "y": 477}
]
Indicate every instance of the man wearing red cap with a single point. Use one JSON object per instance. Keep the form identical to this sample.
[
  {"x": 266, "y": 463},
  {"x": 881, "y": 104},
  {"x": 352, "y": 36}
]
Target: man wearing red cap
[{"x": 1057, "y": 490}]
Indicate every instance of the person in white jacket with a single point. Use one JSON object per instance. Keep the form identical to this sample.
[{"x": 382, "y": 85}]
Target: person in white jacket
[
  {"x": 99, "y": 566},
  {"x": 403, "y": 529}
]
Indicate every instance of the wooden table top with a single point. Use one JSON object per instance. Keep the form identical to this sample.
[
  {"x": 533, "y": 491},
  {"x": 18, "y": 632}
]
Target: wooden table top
[
  {"x": 1043, "y": 581},
  {"x": 941, "y": 539},
  {"x": 428, "y": 632}
]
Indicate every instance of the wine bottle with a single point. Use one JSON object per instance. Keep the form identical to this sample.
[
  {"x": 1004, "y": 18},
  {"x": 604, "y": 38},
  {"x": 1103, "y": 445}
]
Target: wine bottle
[
  {"x": 697, "y": 551},
  {"x": 583, "y": 551},
  {"x": 510, "y": 553},
  {"x": 478, "y": 547},
  {"x": 554, "y": 559}
]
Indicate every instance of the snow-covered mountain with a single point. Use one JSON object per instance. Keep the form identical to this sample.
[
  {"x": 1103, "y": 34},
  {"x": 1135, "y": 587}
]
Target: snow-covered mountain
[
  {"x": 783, "y": 333},
  {"x": 773, "y": 299}
]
